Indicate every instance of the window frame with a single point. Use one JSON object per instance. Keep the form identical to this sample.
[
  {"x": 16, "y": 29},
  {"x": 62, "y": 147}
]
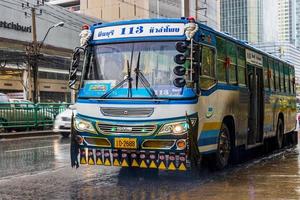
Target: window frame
[
  {"x": 219, "y": 59},
  {"x": 214, "y": 49},
  {"x": 245, "y": 66}
]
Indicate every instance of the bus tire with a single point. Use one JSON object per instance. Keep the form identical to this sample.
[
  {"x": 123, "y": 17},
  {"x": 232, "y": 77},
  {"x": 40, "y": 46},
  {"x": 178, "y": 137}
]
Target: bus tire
[
  {"x": 279, "y": 134},
  {"x": 224, "y": 148}
]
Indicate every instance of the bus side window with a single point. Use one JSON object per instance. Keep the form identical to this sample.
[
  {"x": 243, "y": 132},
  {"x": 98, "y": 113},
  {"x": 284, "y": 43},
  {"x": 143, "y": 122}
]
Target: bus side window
[
  {"x": 266, "y": 74},
  {"x": 207, "y": 78},
  {"x": 272, "y": 74},
  {"x": 286, "y": 79},
  {"x": 292, "y": 80},
  {"x": 276, "y": 77},
  {"x": 221, "y": 64},
  {"x": 241, "y": 66},
  {"x": 281, "y": 77},
  {"x": 232, "y": 56},
  {"x": 289, "y": 80}
]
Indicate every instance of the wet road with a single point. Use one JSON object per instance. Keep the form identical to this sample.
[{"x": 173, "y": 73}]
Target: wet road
[{"x": 38, "y": 168}]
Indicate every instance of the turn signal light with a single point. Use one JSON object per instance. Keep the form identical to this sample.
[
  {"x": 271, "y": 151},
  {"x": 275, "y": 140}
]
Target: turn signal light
[{"x": 181, "y": 144}]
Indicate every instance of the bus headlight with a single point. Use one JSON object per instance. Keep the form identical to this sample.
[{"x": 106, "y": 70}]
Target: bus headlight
[
  {"x": 83, "y": 125},
  {"x": 176, "y": 128}
]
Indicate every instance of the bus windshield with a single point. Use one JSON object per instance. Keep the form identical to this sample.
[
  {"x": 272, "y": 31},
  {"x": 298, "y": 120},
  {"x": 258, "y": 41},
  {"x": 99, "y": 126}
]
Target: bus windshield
[{"x": 113, "y": 63}]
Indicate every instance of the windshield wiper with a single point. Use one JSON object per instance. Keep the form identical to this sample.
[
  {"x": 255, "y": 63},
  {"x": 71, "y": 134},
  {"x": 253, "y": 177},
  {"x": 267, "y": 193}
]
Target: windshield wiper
[
  {"x": 144, "y": 81},
  {"x": 128, "y": 78}
]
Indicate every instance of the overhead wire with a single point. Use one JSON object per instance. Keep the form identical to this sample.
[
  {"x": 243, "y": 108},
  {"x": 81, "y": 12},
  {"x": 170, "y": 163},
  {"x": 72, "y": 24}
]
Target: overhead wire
[{"x": 74, "y": 27}]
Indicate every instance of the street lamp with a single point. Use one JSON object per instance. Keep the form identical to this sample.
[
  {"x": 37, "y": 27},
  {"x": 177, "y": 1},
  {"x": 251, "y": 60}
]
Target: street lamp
[
  {"x": 36, "y": 53},
  {"x": 60, "y": 24}
]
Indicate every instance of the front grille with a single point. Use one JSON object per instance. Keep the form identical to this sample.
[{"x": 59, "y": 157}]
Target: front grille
[
  {"x": 66, "y": 119},
  {"x": 126, "y": 112},
  {"x": 116, "y": 129}
]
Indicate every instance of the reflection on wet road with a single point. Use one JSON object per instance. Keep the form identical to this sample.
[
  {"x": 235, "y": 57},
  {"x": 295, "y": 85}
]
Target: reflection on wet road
[{"x": 39, "y": 168}]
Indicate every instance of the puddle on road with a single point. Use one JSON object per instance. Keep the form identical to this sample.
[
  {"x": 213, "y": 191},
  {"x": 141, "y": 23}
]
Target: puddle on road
[
  {"x": 49, "y": 176},
  {"x": 31, "y": 155}
]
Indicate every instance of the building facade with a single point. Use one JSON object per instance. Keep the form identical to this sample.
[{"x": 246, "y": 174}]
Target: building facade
[
  {"x": 287, "y": 21},
  {"x": 71, "y": 5},
  {"x": 16, "y": 35},
  {"x": 242, "y": 19},
  {"x": 298, "y": 24},
  {"x": 205, "y": 11}
]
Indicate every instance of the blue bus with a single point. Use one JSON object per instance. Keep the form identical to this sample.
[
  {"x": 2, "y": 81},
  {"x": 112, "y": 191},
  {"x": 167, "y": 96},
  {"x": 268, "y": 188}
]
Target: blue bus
[{"x": 168, "y": 93}]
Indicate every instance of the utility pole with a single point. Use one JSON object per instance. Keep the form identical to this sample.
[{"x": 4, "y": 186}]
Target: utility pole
[
  {"x": 35, "y": 55},
  {"x": 185, "y": 8},
  {"x": 33, "y": 52}
]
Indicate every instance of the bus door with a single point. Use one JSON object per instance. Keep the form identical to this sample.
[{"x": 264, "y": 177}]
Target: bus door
[{"x": 256, "y": 102}]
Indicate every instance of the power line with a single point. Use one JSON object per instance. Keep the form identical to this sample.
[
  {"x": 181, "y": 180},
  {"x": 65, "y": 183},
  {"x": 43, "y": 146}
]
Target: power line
[{"x": 22, "y": 11}]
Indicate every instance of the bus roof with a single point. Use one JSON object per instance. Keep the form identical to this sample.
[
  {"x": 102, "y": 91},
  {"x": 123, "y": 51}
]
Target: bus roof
[{"x": 182, "y": 21}]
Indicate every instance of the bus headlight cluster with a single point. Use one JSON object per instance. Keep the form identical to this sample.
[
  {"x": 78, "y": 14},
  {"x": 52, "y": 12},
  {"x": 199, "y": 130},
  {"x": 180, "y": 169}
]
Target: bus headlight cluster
[
  {"x": 176, "y": 128},
  {"x": 83, "y": 125}
]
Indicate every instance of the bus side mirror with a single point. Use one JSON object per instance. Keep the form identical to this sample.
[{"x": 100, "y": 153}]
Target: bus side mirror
[{"x": 74, "y": 67}]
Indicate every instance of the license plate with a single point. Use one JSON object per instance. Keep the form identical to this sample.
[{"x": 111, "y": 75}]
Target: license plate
[{"x": 125, "y": 143}]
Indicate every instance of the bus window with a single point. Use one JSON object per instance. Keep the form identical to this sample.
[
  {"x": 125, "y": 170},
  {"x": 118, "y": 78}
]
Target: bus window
[
  {"x": 266, "y": 74},
  {"x": 287, "y": 79},
  {"x": 292, "y": 80},
  {"x": 281, "y": 77},
  {"x": 207, "y": 78},
  {"x": 276, "y": 77},
  {"x": 221, "y": 64},
  {"x": 271, "y": 75},
  {"x": 231, "y": 54},
  {"x": 241, "y": 66}
]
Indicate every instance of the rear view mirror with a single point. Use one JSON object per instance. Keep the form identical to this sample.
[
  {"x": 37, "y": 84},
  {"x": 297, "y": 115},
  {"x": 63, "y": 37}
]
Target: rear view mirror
[{"x": 74, "y": 67}]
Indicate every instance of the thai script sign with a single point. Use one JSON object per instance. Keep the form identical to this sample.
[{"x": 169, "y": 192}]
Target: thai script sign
[
  {"x": 254, "y": 58},
  {"x": 139, "y": 30}
]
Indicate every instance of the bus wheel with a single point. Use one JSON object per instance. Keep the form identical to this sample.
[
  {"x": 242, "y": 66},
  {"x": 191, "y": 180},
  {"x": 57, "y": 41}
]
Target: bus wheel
[
  {"x": 279, "y": 134},
  {"x": 224, "y": 148}
]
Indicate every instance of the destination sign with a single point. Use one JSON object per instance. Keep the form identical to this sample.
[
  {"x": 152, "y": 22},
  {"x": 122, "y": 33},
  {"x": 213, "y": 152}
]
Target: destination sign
[
  {"x": 254, "y": 58},
  {"x": 139, "y": 30}
]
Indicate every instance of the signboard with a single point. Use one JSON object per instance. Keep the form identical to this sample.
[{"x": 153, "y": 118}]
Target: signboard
[
  {"x": 15, "y": 26},
  {"x": 139, "y": 30},
  {"x": 254, "y": 58}
]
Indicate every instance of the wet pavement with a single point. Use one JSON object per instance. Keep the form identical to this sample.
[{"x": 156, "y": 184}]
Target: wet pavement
[{"x": 39, "y": 168}]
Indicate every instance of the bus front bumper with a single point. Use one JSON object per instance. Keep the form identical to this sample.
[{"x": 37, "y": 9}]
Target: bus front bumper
[{"x": 154, "y": 153}]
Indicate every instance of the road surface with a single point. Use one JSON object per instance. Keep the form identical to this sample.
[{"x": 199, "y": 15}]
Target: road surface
[{"x": 39, "y": 168}]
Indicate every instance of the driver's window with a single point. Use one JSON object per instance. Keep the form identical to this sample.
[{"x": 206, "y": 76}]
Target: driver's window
[{"x": 207, "y": 76}]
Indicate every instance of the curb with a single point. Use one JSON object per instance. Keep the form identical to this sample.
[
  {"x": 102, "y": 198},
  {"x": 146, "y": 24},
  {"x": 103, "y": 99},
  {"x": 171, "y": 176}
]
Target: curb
[{"x": 26, "y": 134}]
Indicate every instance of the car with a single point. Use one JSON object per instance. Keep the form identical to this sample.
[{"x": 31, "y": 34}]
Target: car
[
  {"x": 21, "y": 103},
  {"x": 62, "y": 122},
  {"x": 21, "y": 115}
]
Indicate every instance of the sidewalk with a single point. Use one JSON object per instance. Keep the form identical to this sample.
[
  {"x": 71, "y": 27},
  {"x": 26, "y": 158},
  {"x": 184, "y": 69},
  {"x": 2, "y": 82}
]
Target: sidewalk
[{"x": 26, "y": 134}]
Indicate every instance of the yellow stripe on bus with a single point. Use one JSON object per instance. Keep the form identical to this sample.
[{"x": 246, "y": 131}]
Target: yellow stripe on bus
[{"x": 211, "y": 126}]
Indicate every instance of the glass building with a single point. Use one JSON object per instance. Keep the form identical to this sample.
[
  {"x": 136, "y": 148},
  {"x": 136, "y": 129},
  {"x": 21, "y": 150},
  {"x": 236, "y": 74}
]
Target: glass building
[
  {"x": 242, "y": 19},
  {"x": 298, "y": 24}
]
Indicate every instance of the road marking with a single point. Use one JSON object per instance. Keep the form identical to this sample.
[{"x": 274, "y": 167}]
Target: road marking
[{"x": 28, "y": 149}]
